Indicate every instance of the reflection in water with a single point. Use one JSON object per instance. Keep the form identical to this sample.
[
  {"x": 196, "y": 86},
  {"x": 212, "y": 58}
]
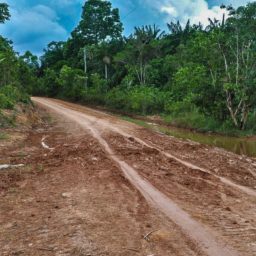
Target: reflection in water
[{"x": 242, "y": 146}]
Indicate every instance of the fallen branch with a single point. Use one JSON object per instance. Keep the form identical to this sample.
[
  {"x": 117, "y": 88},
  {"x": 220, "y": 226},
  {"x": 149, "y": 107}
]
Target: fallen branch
[
  {"x": 6, "y": 166},
  {"x": 132, "y": 249},
  {"x": 45, "y": 249},
  {"x": 146, "y": 237},
  {"x": 44, "y": 145}
]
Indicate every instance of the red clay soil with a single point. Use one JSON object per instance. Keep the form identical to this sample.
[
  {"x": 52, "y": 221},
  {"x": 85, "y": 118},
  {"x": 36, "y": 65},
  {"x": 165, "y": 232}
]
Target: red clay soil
[{"x": 108, "y": 187}]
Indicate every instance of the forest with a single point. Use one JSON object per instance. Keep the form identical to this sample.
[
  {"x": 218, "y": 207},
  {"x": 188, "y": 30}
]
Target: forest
[{"x": 194, "y": 76}]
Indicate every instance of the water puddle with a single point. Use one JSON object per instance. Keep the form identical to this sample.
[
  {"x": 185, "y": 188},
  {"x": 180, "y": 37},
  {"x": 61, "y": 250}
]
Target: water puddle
[{"x": 241, "y": 146}]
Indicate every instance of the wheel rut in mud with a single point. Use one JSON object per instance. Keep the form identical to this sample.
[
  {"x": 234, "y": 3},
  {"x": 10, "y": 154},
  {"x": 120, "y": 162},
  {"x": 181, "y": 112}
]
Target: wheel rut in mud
[{"x": 201, "y": 236}]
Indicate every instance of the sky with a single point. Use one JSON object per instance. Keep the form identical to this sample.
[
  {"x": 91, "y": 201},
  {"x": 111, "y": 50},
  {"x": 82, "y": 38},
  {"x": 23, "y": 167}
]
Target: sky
[{"x": 35, "y": 23}]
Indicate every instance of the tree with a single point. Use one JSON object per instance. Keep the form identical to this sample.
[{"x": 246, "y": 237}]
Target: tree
[
  {"x": 54, "y": 56},
  {"x": 8, "y": 62},
  {"x": 141, "y": 48},
  {"x": 99, "y": 22},
  {"x": 30, "y": 59},
  {"x": 237, "y": 46},
  {"x": 71, "y": 82},
  {"x": 179, "y": 35},
  {"x": 211, "y": 71},
  {"x": 4, "y": 12}
]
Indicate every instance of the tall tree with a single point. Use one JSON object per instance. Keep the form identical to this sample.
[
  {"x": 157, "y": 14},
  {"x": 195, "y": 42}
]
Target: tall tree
[
  {"x": 99, "y": 22},
  {"x": 4, "y": 12},
  {"x": 53, "y": 56},
  {"x": 237, "y": 45},
  {"x": 141, "y": 48}
]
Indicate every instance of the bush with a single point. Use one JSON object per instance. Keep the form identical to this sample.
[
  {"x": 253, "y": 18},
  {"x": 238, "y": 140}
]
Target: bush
[
  {"x": 176, "y": 108},
  {"x": 138, "y": 99},
  {"x": 72, "y": 83},
  {"x": 96, "y": 91},
  {"x": 6, "y": 120},
  {"x": 193, "y": 120},
  {"x": 145, "y": 100},
  {"x": 118, "y": 99},
  {"x": 10, "y": 95},
  {"x": 5, "y": 102}
]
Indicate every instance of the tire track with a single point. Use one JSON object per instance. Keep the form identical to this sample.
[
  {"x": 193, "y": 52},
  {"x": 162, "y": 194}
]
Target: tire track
[
  {"x": 106, "y": 124},
  {"x": 203, "y": 238}
]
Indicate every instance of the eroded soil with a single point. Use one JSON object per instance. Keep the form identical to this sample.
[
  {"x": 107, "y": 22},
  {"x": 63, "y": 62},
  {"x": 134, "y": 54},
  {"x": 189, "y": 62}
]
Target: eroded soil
[{"x": 75, "y": 199}]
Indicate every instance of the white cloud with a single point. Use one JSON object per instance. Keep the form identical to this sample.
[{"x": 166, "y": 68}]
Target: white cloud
[
  {"x": 44, "y": 11},
  {"x": 30, "y": 29},
  {"x": 65, "y": 3},
  {"x": 170, "y": 10},
  {"x": 182, "y": 10}
]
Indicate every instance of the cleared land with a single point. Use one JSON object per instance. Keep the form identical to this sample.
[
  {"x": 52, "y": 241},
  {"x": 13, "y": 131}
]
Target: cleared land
[{"x": 93, "y": 184}]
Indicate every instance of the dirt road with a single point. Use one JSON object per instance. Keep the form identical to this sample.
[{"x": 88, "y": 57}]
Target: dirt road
[{"x": 128, "y": 191}]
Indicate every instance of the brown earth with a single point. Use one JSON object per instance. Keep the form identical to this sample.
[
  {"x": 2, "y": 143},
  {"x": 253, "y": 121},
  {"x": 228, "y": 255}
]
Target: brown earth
[{"x": 108, "y": 187}]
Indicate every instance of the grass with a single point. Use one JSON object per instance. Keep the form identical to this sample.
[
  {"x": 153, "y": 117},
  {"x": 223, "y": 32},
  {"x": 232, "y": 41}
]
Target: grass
[
  {"x": 239, "y": 145},
  {"x": 152, "y": 127},
  {"x": 204, "y": 124},
  {"x": 48, "y": 118},
  {"x": 7, "y": 121},
  {"x": 136, "y": 121},
  {"x": 3, "y": 136}
]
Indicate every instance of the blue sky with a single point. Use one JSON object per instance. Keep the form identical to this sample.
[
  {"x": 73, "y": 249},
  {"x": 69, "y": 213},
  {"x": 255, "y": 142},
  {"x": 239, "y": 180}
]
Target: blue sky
[{"x": 35, "y": 23}]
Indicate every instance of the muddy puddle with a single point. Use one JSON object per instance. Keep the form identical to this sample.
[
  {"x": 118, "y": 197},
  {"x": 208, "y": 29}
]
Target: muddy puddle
[{"x": 241, "y": 146}]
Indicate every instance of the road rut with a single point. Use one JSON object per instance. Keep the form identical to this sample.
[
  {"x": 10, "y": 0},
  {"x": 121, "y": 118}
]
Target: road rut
[{"x": 204, "y": 238}]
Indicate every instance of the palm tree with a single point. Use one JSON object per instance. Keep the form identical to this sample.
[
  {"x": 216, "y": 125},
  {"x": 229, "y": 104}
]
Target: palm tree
[{"x": 142, "y": 41}]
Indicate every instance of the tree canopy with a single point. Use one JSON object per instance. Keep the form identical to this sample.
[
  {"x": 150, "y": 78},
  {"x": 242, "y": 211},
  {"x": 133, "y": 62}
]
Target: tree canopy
[
  {"x": 201, "y": 77},
  {"x": 4, "y": 12},
  {"x": 99, "y": 22},
  {"x": 18, "y": 74},
  {"x": 206, "y": 73}
]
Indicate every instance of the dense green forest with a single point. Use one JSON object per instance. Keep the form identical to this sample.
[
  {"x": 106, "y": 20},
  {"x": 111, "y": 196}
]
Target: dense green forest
[
  {"x": 18, "y": 73},
  {"x": 195, "y": 76}
]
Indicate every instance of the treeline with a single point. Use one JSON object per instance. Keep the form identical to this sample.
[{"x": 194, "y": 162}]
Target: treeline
[
  {"x": 18, "y": 74},
  {"x": 199, "y": 77}
]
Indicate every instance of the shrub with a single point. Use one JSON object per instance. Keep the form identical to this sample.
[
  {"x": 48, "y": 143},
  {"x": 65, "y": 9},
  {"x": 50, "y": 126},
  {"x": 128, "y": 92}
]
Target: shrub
[
  {"x": 6, "y": 121},
  {"x": 72, "y": 83},
  {"x": 177, "y": 107},
  {"x": 10, "y": 95},
  {"x": 144, "y": 99},
  {"x": 118, "y": 98},
  {"x": 138, "y": 99},
  {"x": 5, "y": 102},
  {"x": 96, "y": 91}
]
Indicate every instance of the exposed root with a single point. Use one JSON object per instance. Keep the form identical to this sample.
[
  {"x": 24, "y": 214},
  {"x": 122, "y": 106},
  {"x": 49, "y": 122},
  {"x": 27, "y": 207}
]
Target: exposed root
[
  {"x": 7, "y": 166},
  {"x": 44, "y": 145}
]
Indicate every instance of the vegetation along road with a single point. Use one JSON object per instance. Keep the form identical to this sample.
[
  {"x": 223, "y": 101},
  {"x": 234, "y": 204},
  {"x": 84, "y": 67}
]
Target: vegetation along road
[
  {"x": 75, "y": 181},
  {"x": 105, "y": 186}
]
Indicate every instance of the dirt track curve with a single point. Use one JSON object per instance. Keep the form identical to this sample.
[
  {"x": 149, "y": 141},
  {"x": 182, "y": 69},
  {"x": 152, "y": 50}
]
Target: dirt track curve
[{"x": 208, "y": 193}]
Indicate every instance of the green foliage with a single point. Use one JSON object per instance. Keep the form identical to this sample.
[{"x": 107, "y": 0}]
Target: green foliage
[
  {"x": 118, "y": 99},
  {"x": 4, "y": 12},
  {"x": 18, "y": 73},
  {"x": 48, "y": 85},
  {"x": 3, "y": 136},
  {"x": 138, "y": 99},
  {"x": 99, "y": 22},
  {"x": 71, "y": 82},
  {"x": 10, "y": 95},
  {"x": 186, "y": 81},
  {"x": 199, "y": 77},
  {"x": 145, "y": 100},
  {"x": 5, "y": 102},
  {"x": 96, "y": 92},
  {"x": 6, "y": 121}
]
